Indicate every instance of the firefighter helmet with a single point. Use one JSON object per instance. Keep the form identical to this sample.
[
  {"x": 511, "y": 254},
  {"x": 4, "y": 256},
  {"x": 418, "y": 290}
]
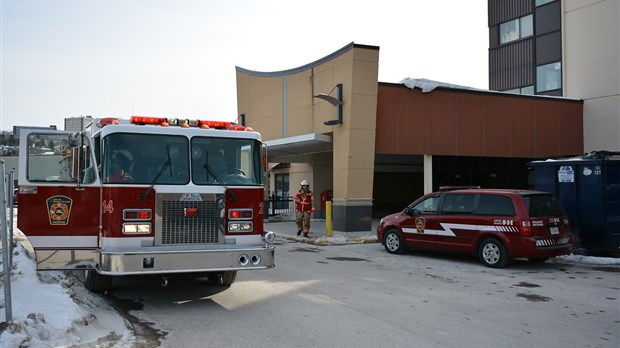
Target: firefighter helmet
[{"x": 304, "y": 183}]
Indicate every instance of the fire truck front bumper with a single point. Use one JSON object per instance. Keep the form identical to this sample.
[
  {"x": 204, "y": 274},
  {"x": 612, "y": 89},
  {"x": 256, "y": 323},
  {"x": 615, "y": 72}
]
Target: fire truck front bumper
[{"x": 185, "y": 259}]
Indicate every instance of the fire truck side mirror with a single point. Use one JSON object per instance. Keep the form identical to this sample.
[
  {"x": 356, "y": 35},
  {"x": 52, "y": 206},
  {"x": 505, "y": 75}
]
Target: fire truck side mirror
[
  {"x": 75, "y": 163},
  {"x": 264, "y": 163}
]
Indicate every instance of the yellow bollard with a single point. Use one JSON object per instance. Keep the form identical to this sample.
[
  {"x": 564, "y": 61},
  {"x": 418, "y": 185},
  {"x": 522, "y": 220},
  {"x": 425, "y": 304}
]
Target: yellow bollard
[{"x": 328, "y": 218}]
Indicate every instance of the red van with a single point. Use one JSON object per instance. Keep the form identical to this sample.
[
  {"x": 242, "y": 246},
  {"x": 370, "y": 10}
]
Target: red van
[{"x": 496, "y": 224}]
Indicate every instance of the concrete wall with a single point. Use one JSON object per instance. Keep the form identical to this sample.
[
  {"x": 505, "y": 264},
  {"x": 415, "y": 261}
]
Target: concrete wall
[{"x": 591, "y": 68}]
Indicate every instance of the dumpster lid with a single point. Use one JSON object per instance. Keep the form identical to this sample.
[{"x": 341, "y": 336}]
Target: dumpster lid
[{"x": 592, "y": 157}]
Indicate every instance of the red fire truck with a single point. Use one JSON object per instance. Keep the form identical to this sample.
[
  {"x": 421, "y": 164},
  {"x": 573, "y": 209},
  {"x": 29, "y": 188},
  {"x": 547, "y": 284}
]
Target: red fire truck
[{"x": 147, "y": 195}]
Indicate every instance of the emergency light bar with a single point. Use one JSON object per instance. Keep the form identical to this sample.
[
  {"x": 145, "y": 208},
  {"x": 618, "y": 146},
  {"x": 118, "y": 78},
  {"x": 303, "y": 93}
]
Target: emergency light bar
[{"x": 184, "y": 123}]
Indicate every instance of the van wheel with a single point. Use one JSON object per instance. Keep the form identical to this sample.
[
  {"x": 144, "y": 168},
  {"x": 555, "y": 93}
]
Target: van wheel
[
  {"x": 96, "y": 282},
  {"x": 393, "y": 242},
  {"x": 493, "y": 253},
  {"x": 222, "y": 278}
]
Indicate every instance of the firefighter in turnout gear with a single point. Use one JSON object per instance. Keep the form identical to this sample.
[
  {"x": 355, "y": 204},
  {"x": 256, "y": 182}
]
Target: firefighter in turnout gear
[
  {"x": 303, "y": 208},
  {"x": 122, "y": 167}
]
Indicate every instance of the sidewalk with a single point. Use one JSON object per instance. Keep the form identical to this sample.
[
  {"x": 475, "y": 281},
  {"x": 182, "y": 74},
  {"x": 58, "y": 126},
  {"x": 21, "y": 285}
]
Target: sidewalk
[{"x": 318, "y": 233}]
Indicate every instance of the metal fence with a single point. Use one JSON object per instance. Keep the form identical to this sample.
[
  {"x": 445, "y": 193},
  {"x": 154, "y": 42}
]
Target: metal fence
[
  {"x": 6, "y": 231},
  {"x": 280, "y": 205}
]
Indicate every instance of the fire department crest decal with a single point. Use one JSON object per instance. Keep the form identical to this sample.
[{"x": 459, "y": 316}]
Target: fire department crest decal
[{"x": 59, "y": 209}]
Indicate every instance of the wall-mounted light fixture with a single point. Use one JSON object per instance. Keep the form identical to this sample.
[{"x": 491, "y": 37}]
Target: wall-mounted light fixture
[{"x": 335, "y": 101}]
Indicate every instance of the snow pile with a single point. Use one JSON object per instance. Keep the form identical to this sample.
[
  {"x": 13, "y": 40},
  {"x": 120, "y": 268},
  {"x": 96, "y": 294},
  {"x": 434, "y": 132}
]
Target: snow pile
[
  {"x": 429, "y": 85},
  {"x": 340, "y": 239},
  {"x": 50, "y": 309},
  {"x": 590, "y": 260}
]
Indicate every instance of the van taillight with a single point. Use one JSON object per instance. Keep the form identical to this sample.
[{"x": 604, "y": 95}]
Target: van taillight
[{"x": 526, "y": 228}]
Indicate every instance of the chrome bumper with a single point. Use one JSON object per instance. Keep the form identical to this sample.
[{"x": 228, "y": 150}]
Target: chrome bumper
[{"x": 186, "y": 259}]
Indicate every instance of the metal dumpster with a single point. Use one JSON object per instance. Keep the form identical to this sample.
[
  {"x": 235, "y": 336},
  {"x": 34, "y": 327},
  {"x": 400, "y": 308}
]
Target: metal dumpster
[{"x": 589, "y": 188}]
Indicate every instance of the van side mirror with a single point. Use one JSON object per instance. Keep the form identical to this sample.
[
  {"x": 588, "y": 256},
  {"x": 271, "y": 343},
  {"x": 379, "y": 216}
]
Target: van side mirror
[{"x": 412, "y": 212}]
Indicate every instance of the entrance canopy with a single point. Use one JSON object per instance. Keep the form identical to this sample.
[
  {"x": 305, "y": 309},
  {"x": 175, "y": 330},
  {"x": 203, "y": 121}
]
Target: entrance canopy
[{"x": 298, "y": 149}]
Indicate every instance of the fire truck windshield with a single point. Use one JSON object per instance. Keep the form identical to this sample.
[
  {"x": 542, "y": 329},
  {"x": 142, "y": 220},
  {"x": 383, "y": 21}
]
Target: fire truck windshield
[
  {"x": 139, "y": 158},
  {"x": 235, "y": 161}
]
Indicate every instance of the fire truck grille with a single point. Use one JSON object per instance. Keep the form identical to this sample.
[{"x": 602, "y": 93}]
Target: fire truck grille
[{"x": 189, "y": 222}]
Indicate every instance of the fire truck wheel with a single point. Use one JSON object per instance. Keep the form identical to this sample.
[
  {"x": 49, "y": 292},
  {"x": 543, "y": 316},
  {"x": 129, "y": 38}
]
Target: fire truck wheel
[
  {"x": 222, "y": 278},
  {"x": 96, "y": 282}
]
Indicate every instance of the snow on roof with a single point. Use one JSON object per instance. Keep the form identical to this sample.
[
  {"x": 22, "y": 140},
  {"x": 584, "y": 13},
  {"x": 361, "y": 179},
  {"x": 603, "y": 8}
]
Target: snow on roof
[{"x": 429, "y": 85}]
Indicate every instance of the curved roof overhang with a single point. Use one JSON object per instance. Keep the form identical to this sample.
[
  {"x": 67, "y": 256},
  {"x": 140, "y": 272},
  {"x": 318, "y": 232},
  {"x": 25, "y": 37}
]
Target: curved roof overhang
[{"x": 306, "y": 66}]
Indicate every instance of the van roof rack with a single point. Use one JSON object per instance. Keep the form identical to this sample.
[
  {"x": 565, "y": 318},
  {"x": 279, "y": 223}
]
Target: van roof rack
[{"x": 451, "y": 188}]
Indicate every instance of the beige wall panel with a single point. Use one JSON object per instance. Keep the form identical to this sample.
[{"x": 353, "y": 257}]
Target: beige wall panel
[
  {"x": 363, "y": 153},
  {"x": 601, "y": 124},
  {"x": 342, "y": 150},
  {"x": 261, "y": 102},
  {"x": 362, "y": 55},
  {"x": 358, "y": 184},
  {"x": 264, "y": 117},
  {"x": 592, "y": 48},
  {"x": 363, "y": 112},
  {"x": 299, "y": 121},
  {"x": 365, "y": 78}
]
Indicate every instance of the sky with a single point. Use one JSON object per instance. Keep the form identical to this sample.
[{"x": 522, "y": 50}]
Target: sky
[
  {"x": 71, "y": 58},
  {"x": 69, "y": 315}
]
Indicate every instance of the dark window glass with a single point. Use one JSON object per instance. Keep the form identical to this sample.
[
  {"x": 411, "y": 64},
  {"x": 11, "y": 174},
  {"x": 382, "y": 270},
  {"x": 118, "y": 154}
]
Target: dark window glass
[
  {"x": 548, "y": 48},
  {"x": 59, "y": 157},
  {"x": 145, "y": 159},
  {"x": 496, "y": 205},
  {"x": 228, "y": 161},
  {"x": 458, "y": 204},
  {"x": 549, "y": 77},
  {"x": 428, "y": 205},
  {"x": 516, "y": 29},
  {"x": 543, "y": 205},
  {"x": 542, "y": 2},
  {"x": 548, "y": 18}
]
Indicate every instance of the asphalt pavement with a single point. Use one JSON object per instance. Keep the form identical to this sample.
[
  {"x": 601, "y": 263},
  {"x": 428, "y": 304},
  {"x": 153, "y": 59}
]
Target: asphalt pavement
[{"x": 318, "y": 233}]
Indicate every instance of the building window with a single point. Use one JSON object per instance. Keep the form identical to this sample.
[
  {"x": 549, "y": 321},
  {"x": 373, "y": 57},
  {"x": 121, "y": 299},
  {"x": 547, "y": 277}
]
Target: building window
[
  {"x": 523, "y": 90},
  {"x": 549, "y": 77},
  {"x": 516, "y": 29},
  {"x": 529, "y": 90},
  {"x": 282, "y": 193},
  {"x": 542, "y": 2}
]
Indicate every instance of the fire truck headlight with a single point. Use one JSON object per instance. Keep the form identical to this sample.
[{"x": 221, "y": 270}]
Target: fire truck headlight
[
  {"x": 240, "y": 227},
  {"x": 269, "y": 237},
  {"x": 129, "y": 228}
]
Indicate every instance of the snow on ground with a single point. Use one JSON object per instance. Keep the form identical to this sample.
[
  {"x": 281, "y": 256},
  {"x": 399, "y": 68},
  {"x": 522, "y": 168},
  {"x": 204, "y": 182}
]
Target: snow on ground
[
  {"x": 589, "y": 260},
  {"x": 51, "y": 309}
]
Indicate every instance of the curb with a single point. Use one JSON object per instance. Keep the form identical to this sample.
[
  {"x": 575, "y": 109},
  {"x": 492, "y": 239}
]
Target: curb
[{"x": 328, "y": 240}]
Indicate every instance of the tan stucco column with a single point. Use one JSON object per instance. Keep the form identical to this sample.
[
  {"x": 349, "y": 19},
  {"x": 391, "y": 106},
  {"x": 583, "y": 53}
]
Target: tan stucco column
[
  {"x": 353, "y": 179},
  {"x": 354, "y": 146}
]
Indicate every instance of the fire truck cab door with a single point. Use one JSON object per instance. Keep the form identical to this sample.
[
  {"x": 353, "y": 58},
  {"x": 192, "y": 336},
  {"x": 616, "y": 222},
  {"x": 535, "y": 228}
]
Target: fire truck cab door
[{"x": 59, "y": 195}]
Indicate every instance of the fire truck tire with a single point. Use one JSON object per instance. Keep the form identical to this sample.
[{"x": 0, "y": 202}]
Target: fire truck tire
[
  {"x": 96, "y": 282},
  {"x": 222, "y": 278}
]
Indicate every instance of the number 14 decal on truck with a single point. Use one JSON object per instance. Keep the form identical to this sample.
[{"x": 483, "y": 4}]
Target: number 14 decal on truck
[{"x": 108, "y": 206}]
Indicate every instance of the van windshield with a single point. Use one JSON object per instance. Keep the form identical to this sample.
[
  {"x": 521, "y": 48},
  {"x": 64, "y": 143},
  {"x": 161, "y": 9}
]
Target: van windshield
[{"x": 543, "y": 205}]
